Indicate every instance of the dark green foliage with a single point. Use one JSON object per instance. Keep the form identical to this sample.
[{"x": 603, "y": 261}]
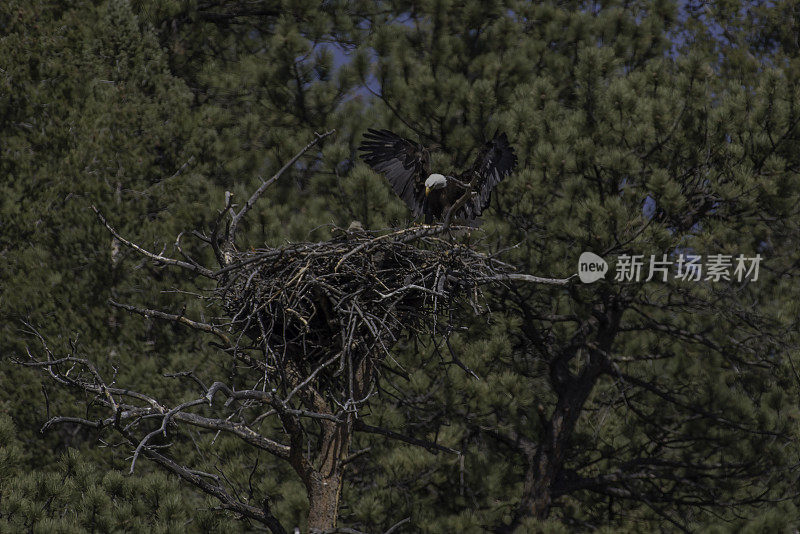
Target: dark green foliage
[
  {"x": 74, "y": 495},
  {"x": 641, "y": 127}
]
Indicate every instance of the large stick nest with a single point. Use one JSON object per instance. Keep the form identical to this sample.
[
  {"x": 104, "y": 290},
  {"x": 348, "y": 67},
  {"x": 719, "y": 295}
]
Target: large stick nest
[{"x": 355, "y": 295}]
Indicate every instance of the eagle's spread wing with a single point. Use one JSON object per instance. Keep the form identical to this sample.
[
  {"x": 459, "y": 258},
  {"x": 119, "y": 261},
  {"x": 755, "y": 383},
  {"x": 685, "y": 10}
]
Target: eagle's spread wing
[
  {"x": 404, "y": 163},
  {"x": 495, "y": 161}
]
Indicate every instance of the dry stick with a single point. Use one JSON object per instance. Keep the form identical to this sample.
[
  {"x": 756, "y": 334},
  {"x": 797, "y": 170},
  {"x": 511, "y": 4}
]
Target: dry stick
[
  {"x": 421, "y": 232},
  {"x": 429, "y": 445},
  {"x": 184, "y": 254},
  {"x": 239, "y": 430},
  {"x": 175, "y": 175},
  {"x": 157, "y": 257},
  {"x": 359, "y": 248},
  {"x": 188, "y": 374},
  {"x": 265, "y": 396},
  {"x": 99, "y": 387},
  {"x": 204, "y": 327},
  {"x": 311, "y": 377},
  {"x": 413, "y": 233},
  {"x": 526, "y": 278},
  {"x": 196, "y": 478},
  {"x": 63, "y": 379},
  {"x": 156, "y": 409},
  {"x": 255, "y": 196},
  {"x": 397, "y": 525},
  {"x": 408, "y": 288},
  {"x": 260, "y": 256},
  {"x": 162, "y": 429}
]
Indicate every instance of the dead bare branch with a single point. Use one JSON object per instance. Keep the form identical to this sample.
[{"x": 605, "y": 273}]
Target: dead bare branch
[
  {"x": 156, "y": 257},
  {"x": 260, "y": 191},
  {"x": 178, "y": 318},
  {"x": 424, "y": 443}
]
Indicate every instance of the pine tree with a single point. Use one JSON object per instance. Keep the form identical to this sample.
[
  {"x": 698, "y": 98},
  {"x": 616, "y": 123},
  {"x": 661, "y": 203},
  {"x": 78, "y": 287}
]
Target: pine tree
[
  {"x": 609, "y": 403},
  {"x": 104, "y": 118},
  {"x": 652, "y": 128},
  {"x": 74, "y": 495}
]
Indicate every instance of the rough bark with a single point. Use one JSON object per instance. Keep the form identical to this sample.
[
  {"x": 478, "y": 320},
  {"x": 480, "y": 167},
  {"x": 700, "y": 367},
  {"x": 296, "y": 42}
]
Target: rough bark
[{"x": 324, "y": 484}]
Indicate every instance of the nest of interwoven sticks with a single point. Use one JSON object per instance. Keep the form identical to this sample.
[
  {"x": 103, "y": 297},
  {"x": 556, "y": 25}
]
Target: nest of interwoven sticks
[{"x": 353, "y": 296}]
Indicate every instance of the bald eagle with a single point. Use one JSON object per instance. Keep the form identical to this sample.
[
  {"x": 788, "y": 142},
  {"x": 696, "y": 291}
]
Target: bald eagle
[{"x": 406, "y": 165}]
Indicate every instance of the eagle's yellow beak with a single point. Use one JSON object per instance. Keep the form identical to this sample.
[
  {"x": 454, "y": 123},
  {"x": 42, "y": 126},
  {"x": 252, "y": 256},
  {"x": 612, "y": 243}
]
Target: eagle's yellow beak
[{"x": 427, "y": 190}]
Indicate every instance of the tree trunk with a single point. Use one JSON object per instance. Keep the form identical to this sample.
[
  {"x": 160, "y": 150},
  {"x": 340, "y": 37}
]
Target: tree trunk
[
  {"x": 545, "y": 465},
  {"x": 323, "y": 471},
  {"x": 323, "y": 501},
  {"x": 324, "y": 483}
]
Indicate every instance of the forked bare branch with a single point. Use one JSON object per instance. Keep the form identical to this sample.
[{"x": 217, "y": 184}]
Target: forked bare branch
[{"x": 156, "y": 257}]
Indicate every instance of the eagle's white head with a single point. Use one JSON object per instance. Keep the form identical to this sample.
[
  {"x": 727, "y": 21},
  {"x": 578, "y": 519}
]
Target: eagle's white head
[{"x": 435, "y": 181}]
